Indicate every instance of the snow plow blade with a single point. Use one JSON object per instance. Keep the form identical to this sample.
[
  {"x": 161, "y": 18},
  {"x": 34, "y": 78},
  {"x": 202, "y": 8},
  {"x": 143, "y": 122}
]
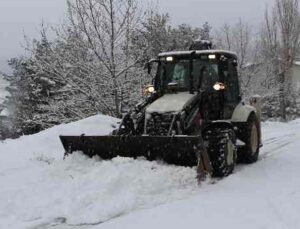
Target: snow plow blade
[{"x": 178, "y": 150}]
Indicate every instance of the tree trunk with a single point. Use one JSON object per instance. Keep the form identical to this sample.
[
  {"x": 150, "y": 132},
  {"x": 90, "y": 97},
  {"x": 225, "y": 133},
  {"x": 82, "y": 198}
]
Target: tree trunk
[
  {"x": 282, "y": 97},
  {"x": 113, "y": 62}
]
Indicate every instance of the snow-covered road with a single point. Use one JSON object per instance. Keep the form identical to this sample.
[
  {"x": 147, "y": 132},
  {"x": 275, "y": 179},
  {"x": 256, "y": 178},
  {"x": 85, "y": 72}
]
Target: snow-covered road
[{"x": 39, "y": 190}]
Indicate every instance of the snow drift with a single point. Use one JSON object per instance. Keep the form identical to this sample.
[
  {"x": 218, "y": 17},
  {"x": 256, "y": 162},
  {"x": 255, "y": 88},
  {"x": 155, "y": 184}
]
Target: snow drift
[
  {"x": 37, "y": 186},
  {"x": 40, "y": 190}
]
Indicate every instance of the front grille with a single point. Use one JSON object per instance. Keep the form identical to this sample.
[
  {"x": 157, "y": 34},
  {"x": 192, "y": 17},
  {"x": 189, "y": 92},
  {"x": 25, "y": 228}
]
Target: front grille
[{"x": 158, "y": 124}]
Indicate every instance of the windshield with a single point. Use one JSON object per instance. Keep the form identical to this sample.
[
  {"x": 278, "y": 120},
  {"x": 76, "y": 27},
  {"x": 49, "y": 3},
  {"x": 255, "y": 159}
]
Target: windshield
[{"x": 205, "y": 74}]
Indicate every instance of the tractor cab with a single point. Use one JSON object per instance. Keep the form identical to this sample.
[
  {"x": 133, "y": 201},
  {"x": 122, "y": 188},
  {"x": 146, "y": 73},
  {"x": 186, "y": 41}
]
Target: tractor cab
[{"x": 213, "y": 73}]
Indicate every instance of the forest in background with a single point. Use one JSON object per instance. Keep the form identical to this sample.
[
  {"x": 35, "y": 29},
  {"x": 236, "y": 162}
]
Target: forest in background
[{"x": 95, "y": 62}]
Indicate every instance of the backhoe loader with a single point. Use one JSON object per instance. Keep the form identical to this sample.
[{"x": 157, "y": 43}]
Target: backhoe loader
[{"x": 193, "y": 115}]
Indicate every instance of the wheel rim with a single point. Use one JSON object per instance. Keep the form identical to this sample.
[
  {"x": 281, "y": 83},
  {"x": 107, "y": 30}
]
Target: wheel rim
[
  {"x": 254, "y": 139},
  {"x": 230, "y": 152}
]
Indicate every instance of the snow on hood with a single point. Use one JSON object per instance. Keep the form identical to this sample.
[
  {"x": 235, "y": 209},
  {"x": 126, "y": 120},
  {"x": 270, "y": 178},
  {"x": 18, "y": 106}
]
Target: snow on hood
[{"x": 170, "y": 103}]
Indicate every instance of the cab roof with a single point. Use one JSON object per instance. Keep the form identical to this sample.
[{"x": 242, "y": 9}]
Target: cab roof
[{"x": 198, "y": 52}]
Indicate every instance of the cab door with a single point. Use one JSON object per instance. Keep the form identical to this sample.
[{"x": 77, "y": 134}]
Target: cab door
[{"x": 229, "y": 75}]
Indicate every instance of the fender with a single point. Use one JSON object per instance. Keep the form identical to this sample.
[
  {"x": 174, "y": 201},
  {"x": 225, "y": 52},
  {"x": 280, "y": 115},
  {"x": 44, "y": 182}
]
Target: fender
[{"x": 242, "y": 112}]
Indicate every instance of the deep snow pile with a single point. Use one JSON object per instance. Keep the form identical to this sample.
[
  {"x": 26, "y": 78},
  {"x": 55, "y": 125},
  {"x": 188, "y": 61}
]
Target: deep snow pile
[
  {"x": 38, "y": 187},
  {"x": 40, "y": 190}
]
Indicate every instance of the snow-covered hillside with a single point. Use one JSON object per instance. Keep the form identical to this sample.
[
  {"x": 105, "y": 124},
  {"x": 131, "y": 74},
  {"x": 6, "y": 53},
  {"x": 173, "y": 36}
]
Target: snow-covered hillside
[{"x": 40, "y": 190}]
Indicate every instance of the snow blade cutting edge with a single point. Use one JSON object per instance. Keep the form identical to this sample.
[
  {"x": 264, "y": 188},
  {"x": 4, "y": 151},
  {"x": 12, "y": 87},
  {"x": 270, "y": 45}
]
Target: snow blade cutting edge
[{"x": 178, "y": 150}]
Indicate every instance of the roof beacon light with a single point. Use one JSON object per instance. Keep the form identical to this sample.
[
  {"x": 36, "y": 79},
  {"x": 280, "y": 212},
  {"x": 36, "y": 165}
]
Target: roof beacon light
[
  {"x": 169, "y": 58},
  {"x": 212, "y": 56}
]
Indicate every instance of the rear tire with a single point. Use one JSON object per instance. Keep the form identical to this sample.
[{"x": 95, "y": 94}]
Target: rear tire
[
  {"x": 222, "y": 150},
  {"x": 250, "y": 136}
]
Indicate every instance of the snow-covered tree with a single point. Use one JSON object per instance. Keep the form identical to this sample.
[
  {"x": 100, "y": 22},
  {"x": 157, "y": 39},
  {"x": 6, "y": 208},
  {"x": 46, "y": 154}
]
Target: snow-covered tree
[
  {"x": 280, "y": 46},
  {"x": 157, "y": 35},
  {"x": 105, "y": 27},
  {"x": 240, "y": 39},
  {"x": 22, "y": 100}
]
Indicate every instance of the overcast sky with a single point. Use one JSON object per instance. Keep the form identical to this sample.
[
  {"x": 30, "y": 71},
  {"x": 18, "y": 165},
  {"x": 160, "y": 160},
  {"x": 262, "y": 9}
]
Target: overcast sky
[{"x": 19, "y": 17}]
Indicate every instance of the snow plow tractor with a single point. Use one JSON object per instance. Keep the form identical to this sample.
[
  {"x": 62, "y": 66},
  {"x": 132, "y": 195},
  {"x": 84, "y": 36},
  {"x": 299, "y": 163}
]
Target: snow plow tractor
[{"x": 193, "y": 115}]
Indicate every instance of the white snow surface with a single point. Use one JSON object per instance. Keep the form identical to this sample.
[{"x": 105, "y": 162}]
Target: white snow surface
[
  {"x": 170, "y": 103},
  {"x": 40, "y": 190}
]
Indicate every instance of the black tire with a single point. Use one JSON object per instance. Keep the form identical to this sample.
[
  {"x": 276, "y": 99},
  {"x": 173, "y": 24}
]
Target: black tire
[
  {"x": 222, "y": 150},
  {"x": 250, "y": 136}
]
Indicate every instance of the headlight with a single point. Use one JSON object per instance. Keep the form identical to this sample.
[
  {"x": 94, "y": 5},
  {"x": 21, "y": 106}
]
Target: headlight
[
  {"x": 149, "y": 89},
  {"x": 219, "y": 86},
  {"x": 212, "y": 56},
  {"x": 169, "y": 59}
]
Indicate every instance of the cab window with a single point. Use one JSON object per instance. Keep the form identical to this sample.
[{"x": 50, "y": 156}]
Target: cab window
[{"x": 229, "y": 72}]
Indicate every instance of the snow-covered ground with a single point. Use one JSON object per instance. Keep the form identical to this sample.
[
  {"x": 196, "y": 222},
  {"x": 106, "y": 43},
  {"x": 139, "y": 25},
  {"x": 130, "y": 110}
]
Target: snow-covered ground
[{"x": 40, "y": 190}]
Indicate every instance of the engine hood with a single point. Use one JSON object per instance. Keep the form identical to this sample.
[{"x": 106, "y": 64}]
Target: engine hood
[{"x": 170, "y": 103}]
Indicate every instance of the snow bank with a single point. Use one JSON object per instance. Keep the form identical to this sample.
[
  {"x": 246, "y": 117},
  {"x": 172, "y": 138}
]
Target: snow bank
[{"x": 37, "y": 186}]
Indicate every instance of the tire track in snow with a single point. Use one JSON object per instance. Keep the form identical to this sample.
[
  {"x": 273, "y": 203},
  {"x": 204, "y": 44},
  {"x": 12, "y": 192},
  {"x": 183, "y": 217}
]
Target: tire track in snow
[
  {"x": 273, "y": 145},
  {"x": 61, "y": 223}
]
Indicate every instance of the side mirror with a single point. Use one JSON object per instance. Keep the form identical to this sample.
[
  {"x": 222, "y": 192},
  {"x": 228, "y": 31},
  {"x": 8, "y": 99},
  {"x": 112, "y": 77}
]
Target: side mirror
[
  {"x": 148, "y": 67},
  {"x": 239, "y": 98},
  {"x": 235, "y": 63}
]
